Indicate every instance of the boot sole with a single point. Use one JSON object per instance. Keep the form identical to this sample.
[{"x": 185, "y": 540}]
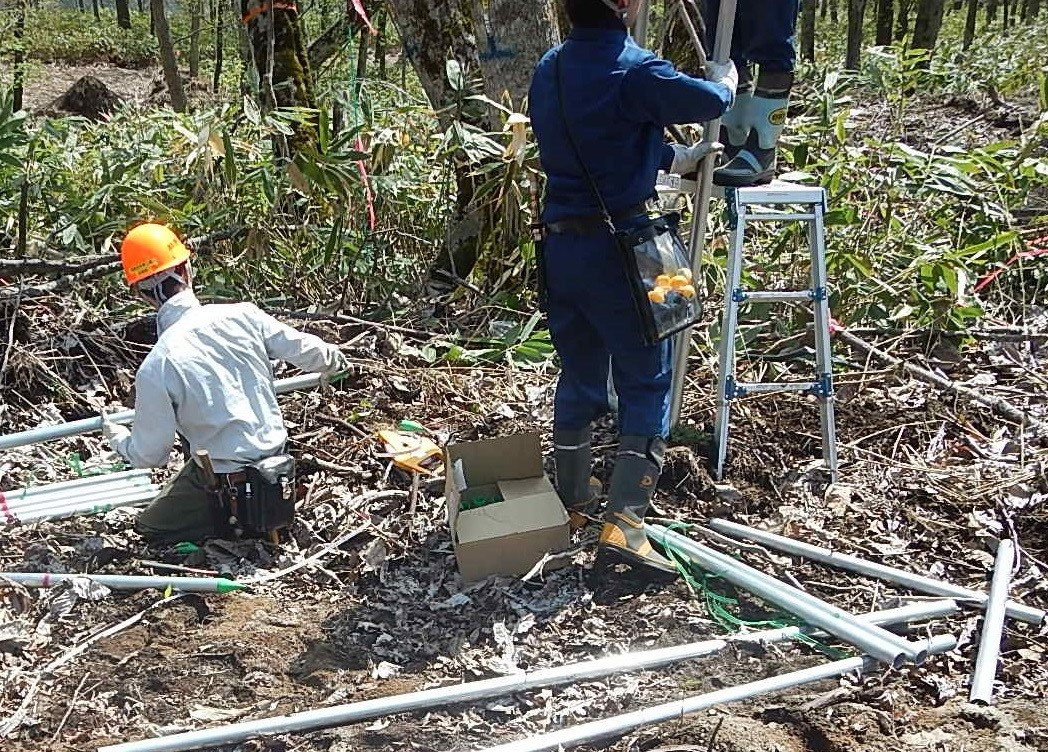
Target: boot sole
[
  {"x": 730, "y": 181},
  {"x": 625, "y": 556}
]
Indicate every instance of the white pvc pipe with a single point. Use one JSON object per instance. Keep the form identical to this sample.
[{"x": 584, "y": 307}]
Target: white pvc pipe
[
  {"x": 620, "y": 724},
  {"x": 87, "y": 425},
  {"x": 871, "y": 569},
  {"x": 879, "y": 643},
  {"x": 66, "y": 485},
  {"x": 80, "y": 492},
  {"x": 77, "y": 507},
  {"x": 101, "y": 503},
  {"x": 993, "y": 625},
  {"x": 128, "y": 582},
  {"x": 427, "y": 699}
]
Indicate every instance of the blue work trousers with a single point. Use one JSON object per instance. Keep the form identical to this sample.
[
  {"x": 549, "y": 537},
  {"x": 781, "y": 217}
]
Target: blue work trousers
[
  {"x": 764, "y": 33},
  {"x": 594, "y": 323}
]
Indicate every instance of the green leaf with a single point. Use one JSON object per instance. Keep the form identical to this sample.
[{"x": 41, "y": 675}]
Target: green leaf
[{"x": 456, "y": 79}]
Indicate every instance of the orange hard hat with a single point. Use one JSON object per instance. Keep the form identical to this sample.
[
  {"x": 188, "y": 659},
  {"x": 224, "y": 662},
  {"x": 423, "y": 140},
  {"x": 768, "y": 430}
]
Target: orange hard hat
[{"x": 149, "y": 249}]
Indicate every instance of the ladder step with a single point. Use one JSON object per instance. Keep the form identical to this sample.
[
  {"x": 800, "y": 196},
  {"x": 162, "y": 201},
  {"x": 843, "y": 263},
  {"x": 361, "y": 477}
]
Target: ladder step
[
  {"x": 778, "y": 217},
  {"x": 764, "y": 387},
  {"x": 781, "y": 192},
  {"x": 770, "y": 296}
]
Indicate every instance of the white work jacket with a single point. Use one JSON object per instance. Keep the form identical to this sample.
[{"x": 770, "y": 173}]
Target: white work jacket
[{"x": 209, "y": 378}]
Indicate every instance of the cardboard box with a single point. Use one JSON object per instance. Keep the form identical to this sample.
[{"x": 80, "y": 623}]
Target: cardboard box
[{"x": 510, "y": 536}]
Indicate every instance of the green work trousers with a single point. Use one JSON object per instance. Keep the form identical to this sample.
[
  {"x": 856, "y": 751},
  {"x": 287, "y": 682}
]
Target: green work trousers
[{"x": 182, "y": 511}]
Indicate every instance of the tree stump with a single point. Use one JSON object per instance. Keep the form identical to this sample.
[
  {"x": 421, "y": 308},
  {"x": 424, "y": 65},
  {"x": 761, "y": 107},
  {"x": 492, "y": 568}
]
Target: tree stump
[{"x": 88, "y": 97}]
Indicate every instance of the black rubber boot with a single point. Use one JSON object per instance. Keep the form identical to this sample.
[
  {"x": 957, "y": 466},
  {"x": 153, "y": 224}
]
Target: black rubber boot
[
  {"x": 765, "y": 116},
  {"x": 633, "y": 481},
  {"x": 578, "y": 490}
]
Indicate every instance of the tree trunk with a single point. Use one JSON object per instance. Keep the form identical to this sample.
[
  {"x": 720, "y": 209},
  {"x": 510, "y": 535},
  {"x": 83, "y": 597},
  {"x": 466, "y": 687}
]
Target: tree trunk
[
  {"x": 216, "y": 79},
  {"x": 969, "y": 23},
  {"x": 856, "y": 11},
  {"x": 834, "y": 17},
  {"x": 807, "y": 30},
  {"x": 1006, "y": 19},
  {"x": 19, "y": 61},
  {"x": 167, "y": 56},
  {"x": 927, "y": 24},
  {"x": 1035, "y": 9},
  {"x": 510, "y": 42},
  {"x": 380, "y": 42},
  {"x": 196, "y": 12},
  {"x": 80, "y": 5},
  {"x": 248, "y": 74},
  {"x": 991, "y": 12},
  {"x": 284, "y": 76},
  {"x": 141, "y": 7},
  {"x": 123, "y": 14},
  {"x": 885, "y": 16},
  {"x": 94, "y": 8},
  {"x": 902, "y": 25}
]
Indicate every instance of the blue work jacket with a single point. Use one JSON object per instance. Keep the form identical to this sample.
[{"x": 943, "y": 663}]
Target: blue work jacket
[{"x": 618, "y": 98}]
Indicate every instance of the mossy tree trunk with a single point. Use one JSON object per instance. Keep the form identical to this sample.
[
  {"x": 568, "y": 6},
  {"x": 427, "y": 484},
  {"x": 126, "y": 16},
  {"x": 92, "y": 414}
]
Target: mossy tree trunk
[
  {"x": 856, "y": 11},
  {"x": 885, "y": 16},
  {"x": 167, "y": 56},
  {"x": 278, "y": 48},
  {"x": 512, "y": 35},
  {"x": 123, "y": 14},
  {"x": 927, "y": 24}
]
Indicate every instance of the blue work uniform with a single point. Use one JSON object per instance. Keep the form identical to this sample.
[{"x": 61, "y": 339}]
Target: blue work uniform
[
  {"x": 618, "y": 98},
  {"x": 763, "y": 33}
]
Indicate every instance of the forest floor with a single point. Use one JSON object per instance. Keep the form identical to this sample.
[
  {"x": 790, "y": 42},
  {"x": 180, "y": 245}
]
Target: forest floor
[{"x": 928, "y": 482}]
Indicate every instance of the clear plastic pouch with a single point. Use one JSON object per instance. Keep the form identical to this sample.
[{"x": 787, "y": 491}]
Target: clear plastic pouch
[{"x": 659, "y": 271}]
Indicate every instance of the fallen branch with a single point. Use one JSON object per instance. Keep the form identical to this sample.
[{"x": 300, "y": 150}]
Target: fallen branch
[{"x": 995, "y": 404}]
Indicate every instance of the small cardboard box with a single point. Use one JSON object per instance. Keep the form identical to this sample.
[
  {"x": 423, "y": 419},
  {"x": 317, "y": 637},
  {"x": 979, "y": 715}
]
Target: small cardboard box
[{"x": 510, "y": 536}]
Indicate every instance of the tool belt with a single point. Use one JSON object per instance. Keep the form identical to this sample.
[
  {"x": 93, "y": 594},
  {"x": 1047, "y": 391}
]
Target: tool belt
[
  {"x": 591, "y": 224},
  {"x": 257, "y": 499}
]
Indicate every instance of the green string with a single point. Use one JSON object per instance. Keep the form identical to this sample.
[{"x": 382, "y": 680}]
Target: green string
[{"x": 722, "y": 607}]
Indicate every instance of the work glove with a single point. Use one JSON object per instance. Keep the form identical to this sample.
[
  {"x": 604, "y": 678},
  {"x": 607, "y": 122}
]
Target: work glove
[
  {"x": 686, "y": 159},
  {"x": 113, "y": 432},
  {"x": 723, "y": 74},
  {"x": 335, "y": 365}
]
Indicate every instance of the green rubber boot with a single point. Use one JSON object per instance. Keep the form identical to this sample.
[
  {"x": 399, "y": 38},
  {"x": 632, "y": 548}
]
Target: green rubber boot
[
  {"x": 624, "y": 537},
  {"x": 578, "y": 490},
  {"x": 765, "y": 116}
]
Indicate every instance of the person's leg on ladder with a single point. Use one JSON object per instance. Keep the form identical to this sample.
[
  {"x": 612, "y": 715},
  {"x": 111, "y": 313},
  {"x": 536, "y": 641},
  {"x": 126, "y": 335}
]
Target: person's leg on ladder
[{"x": 770, "y": 44}]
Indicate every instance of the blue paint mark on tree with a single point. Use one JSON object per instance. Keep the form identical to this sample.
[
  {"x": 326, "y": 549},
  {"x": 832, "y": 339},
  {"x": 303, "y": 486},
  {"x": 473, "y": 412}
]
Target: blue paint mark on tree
[{"x": 494, "y": 51}]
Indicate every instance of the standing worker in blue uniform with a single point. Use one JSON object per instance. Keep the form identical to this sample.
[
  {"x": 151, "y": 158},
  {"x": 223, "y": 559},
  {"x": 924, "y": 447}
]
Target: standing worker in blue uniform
[
  {"x": 763, "y": 35},
  {"x": 617, "y": 99}
]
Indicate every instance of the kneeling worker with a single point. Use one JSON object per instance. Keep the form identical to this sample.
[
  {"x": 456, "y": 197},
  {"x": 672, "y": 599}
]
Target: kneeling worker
[{"x": 208, "y": 379}]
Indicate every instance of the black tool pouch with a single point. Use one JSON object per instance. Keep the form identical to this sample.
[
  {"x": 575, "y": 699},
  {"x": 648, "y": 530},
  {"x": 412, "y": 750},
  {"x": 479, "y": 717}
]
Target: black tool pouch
[
  {"x": 541, "y": 291},
  {"x": 263, "y": 500},
  {"x": 659, "y": 274}
]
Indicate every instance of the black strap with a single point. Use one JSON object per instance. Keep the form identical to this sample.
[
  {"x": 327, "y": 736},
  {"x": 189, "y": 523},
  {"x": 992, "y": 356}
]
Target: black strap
[{"x": 606, "y": 215}]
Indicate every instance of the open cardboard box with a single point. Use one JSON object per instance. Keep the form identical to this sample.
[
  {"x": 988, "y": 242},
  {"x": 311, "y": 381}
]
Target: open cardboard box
[{"x": 510, "y": 536}]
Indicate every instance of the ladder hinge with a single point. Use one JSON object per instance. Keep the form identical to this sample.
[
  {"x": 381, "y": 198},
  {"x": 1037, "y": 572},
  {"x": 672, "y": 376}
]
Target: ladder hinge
[
  {"x": 823, "y": 386},
  {"x": 738, "y": 295},
  {"x": 732, "y": 389},
  {"x": 818, "y": 294}
]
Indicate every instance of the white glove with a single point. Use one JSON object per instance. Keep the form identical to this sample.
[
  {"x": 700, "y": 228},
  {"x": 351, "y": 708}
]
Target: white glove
[
  {"x": 334, "y": 362},
  {"x": 686, "y": 159},
  {"x": 723, "y": 74},
  {"x": 113, "y": 432}
]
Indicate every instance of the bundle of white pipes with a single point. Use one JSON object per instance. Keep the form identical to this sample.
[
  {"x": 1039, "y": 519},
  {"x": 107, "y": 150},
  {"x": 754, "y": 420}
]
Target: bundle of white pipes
[
  {"x": 870, "y": 639},
  {"x": 920, "y": 583},
  {"x": 91, "y": 495},
  {"x": 428, "y": 699}
]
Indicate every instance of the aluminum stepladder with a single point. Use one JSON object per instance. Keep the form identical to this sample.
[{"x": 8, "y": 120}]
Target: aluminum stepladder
[{"x": 747, "y": 205}]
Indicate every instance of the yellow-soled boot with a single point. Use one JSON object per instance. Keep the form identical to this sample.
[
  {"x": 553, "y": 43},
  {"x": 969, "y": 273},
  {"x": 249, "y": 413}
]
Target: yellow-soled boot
[
  {"x": 624, "y": 537},
  {"x": 637, "y": 468}
]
